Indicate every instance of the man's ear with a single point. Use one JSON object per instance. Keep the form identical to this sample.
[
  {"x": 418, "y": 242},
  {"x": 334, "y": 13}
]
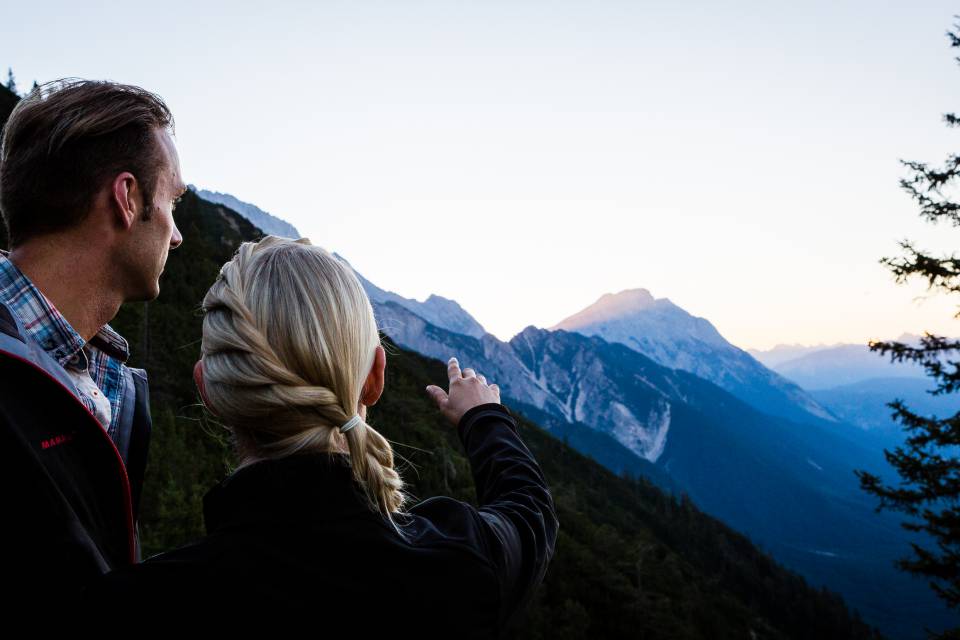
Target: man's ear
[
  {"x": 373, "y": 387},
  {"x": 125, "y": 199},
  {"x": 198, "y": 380}
]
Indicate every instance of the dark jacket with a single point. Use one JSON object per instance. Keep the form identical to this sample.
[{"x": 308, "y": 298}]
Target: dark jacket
[
  {"x": 70, "y": 493},
  {"x": 292, "y": 541}
]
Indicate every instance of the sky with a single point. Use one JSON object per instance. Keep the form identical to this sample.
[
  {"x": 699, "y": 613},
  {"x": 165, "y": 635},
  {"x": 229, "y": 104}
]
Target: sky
[{"x": 524, "y": 158}]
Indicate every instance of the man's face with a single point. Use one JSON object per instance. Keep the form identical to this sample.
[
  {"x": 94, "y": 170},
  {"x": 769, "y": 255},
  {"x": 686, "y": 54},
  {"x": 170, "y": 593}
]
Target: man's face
[{"x": 157, "y": 234}]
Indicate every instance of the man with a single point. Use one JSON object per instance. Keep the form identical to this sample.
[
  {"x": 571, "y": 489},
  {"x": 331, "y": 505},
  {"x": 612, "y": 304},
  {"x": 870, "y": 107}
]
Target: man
[{"x": 89, "y": 176}]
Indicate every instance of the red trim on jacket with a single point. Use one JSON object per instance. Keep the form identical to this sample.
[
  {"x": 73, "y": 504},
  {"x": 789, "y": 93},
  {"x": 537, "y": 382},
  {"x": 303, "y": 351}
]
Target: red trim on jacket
[{"x": 131, "y": 540}]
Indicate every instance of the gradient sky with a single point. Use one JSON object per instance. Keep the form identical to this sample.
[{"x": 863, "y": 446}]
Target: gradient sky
[{"x": 525, "y": 158}]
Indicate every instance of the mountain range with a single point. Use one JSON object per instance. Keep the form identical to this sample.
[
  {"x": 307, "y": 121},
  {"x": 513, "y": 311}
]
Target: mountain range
[
  {"x": 789, "y": 485},
  {"x": 631, "y": 560},
  {"x": 646, "y": 388},
  {"x": 857, "y": 385},
  {"x": 824, "y": 367}
]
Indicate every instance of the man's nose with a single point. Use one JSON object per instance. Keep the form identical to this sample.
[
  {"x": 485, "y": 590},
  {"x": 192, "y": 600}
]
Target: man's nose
[{"x": 176, "y": 239}]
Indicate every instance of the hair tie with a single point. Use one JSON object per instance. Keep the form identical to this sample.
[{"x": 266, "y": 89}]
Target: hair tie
[{"x": 350, "y": 424}]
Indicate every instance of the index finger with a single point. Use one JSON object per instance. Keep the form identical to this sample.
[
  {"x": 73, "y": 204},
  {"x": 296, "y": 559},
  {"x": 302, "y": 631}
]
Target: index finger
[{"x": 453, "y": 370}]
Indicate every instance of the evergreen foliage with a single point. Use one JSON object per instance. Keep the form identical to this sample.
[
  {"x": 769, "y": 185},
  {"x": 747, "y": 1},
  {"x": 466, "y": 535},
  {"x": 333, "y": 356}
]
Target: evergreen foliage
[{"x": 927, "y": 463}]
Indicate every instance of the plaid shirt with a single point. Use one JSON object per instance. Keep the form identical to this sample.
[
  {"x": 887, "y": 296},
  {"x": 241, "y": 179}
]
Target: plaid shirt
[{"x": 103, "y": 357}]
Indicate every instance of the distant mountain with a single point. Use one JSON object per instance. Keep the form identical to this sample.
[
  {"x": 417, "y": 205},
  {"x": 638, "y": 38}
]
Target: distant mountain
[
  {"x": 770, "y": 358},
  {"x": 816, "y": 368},
  {"x": 864, "y": 403},
  {"x": 268, "y": 223},
  {"x": 437, "y": 310},
  {"x": 664, "y": 332}
]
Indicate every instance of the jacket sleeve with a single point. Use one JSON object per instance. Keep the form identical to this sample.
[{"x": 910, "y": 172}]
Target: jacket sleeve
[{"x": 515, "y": 524}]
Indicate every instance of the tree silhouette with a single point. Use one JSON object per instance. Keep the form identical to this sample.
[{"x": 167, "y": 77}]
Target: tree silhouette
[
  {"x": 11, "y": 82},
  {"x": 927, "y": 462}
]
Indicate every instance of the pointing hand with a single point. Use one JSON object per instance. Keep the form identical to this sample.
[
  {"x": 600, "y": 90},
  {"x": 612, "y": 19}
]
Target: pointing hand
[{"x": 467, "y": 390}]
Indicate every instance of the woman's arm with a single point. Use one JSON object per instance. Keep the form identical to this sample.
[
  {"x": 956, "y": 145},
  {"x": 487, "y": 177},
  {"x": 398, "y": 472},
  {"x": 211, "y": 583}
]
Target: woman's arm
[
  {"x": 515, "y": 526},
  {"x": 519, "y": 518}
]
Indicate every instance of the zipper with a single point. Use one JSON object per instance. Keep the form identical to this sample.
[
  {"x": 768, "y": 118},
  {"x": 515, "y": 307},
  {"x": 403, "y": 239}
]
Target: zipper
[{"x": 131, "y": 541}]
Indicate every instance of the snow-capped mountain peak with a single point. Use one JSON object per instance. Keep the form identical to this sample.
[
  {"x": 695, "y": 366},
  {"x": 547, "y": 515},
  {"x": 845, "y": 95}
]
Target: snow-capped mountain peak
[
  {"x": 671, "y": 336},
  {"x": 634, "y": 315},
  {"x": 610, "y": 306}
]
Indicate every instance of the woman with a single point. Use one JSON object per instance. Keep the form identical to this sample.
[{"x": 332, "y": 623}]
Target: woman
[{"x": 313, "y": 521}]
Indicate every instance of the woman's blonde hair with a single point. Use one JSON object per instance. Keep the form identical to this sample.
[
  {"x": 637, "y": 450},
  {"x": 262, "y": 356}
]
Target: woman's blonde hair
[{"x": 289, "y": 337}]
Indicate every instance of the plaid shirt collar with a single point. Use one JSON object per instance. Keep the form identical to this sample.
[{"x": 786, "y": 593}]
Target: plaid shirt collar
[{"x": 45, "y": 324}]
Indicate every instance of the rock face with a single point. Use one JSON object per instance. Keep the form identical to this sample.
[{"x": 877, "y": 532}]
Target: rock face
[
  {"x": 588, "y": 386},
  {"x": 437, "y": 310},
  {"x": 266, "y": 222},
  {"x": 664, "y": 332},
  {"x": 560, "y": 373},
  {"x": 488, "y": 355}
]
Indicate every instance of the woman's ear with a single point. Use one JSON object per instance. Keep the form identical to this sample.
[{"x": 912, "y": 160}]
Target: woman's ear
[
  {"x": 373, "y": 387},
  {"x": 198, "y": 379}
]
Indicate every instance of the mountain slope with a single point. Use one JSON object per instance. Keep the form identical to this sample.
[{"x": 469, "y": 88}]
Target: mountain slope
[
  {"x": 437, "y": 310},
  {"x": 630, "y": 556},
  {"x": 770, "y": 358},
  {"x": 667, "y": 334},
  {"x": 844, "y": 364},
  {"x": 268, "y": 223},
  {"x": 790, "y": 486},
  {"x": 864, "y": 403}
]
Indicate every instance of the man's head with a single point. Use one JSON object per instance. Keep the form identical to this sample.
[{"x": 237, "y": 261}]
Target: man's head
[{"x": 94, "y": 162}]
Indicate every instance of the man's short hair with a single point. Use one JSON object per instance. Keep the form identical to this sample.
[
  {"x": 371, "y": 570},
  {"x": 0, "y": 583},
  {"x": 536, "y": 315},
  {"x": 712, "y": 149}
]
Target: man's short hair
[{"x": 64, "y": 140}]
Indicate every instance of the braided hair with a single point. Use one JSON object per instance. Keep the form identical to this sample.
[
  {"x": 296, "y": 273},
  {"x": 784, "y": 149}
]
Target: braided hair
[{"x": 289, "y": 337}]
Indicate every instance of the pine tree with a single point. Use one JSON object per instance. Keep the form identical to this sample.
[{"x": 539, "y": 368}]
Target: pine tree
[
  {"x": 927, "y": 462},
  {"x": 11, "y": 82}
]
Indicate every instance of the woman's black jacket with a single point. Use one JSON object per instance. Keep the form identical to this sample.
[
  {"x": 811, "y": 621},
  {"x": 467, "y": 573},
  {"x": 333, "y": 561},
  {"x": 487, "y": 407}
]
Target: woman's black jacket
[{"x": 293, "y": 540}]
